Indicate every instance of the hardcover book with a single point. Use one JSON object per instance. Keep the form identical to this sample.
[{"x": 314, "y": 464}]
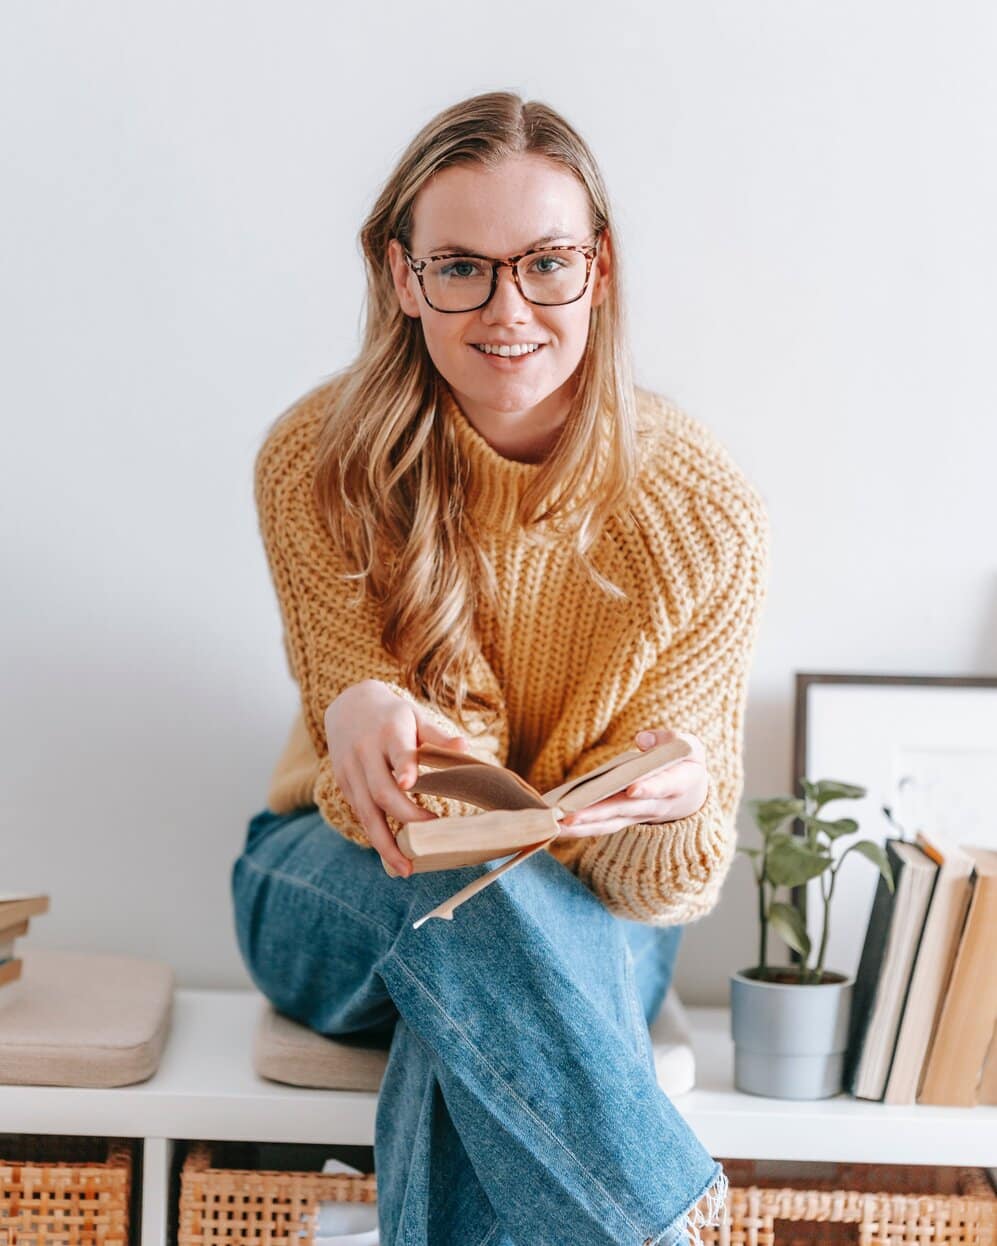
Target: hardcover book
[
  {"x": 893, "y": 936},
  {"x": 515, "y": 817},
  {"x": 956, "y": 1073}
]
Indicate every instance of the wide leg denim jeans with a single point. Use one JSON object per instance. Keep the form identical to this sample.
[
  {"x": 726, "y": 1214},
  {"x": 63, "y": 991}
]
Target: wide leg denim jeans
[{"x": 519, "y": 1104}]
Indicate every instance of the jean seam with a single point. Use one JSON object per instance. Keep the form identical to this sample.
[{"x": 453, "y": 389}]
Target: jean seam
[
  {"x": 637, "y": 1017},
  {"x": 524, "y": 1106},
  {"x": 642, "y": 953},
  {"x": 491, "y": 1233},
  {"x": 325, "y": 895}
]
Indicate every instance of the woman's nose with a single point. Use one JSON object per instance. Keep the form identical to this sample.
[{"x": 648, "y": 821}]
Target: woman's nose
[{"x": 506, "y": 304}]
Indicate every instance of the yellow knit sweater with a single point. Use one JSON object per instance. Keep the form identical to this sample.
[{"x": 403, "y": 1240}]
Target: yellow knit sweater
[{"x": 577, "y": 674}]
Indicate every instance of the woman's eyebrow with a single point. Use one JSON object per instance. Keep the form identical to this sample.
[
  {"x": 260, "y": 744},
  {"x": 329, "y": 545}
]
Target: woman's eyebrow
[{"x": 537, "y": 242}]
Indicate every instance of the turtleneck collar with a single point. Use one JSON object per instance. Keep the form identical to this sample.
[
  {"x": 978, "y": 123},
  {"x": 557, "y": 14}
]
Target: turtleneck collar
[{"x": 495, "y": 483}]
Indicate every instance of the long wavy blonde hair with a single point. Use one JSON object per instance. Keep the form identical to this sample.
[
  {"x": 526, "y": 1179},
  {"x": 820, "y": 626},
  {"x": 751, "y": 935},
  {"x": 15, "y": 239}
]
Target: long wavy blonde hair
[{"x": 389, "y": 482}]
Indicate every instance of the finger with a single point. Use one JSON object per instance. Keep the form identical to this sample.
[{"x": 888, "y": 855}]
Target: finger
[
  {"x": 664, "y": 735},
  {"x": 627, "y": 813},
  {"x": 383, "y": 787},
  {"x": 379, "y": 833},
  {"x": 607, "y": 826},
  {"x": 431, "y": 733},
  {"x": 651, "y": 737},
  {"x": 666, "y": 781}
]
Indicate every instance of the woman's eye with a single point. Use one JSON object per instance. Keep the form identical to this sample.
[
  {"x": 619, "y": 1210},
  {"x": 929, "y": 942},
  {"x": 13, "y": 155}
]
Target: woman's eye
[
  {"x": 552, "y": 260},
  {"x": 466, "y": 267}
]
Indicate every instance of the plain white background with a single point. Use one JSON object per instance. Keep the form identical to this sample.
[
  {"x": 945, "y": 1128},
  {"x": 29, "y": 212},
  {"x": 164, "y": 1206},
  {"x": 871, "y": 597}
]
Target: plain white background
[{"x": 805, "y": 196}]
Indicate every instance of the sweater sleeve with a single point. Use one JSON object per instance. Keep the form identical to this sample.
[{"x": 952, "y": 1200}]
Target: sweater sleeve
[
  {"x": 331, "y": 639},
  {"x": 671, "y": 873}
]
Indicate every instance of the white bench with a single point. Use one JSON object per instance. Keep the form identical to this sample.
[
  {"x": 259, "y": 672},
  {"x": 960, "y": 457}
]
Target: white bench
[{"x": 206, "y": 1087}]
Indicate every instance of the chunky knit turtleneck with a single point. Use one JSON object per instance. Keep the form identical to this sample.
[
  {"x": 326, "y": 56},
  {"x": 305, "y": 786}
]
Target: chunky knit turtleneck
[{"x": 577, "y": 673}]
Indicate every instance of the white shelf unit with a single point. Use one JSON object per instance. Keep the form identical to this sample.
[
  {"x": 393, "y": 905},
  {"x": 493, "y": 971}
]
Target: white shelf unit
[{"x": 205, "y": 1087}]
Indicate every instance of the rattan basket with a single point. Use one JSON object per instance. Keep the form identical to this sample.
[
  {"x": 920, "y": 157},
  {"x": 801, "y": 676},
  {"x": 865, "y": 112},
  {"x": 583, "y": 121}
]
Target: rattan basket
[
  {"x": 861, "y": 1204},
  {"x": 235, "y": 1207},
  {"x": 77, "y": 1195}
]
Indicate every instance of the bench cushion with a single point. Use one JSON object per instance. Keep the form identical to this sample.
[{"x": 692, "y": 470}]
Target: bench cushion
[
  {"x": 284, "y": 1050},
  {"x": 82, "y": 1019}
]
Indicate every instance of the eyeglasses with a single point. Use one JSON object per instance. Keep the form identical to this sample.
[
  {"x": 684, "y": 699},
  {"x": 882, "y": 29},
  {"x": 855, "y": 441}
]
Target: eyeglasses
[{"x": 550, "y": 277}]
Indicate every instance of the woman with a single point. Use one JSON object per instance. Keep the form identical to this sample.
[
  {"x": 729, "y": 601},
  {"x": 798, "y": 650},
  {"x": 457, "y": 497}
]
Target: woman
[{"x": 549, "y": 566}]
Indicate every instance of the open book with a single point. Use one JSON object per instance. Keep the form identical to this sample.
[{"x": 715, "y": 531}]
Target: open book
[{"x": 517, "y": 819}]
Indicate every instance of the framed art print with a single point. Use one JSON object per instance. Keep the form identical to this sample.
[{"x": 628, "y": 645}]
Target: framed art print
[{"x": 923, "y": 746}]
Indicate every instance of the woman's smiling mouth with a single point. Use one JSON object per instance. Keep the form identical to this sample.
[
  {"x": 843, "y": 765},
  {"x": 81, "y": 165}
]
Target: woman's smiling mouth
[{"x": 510, "y": 354}]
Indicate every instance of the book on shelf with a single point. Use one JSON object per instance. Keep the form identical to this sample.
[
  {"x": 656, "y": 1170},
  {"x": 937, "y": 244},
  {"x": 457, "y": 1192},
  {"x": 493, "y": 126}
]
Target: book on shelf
[
  {"x": 896, "y": 923},
  {"x": 9, "y": 936},
  {"x": 10, "y": 971},
  {"x": 16, "y": 910},
  {"x": 986, "y": 1092},
  {"x": 515, "y": 817},
  {"x": 16, "y": 905},
  {"x": 936, "y": 955},
  {"x": 959, "y": 1071}
]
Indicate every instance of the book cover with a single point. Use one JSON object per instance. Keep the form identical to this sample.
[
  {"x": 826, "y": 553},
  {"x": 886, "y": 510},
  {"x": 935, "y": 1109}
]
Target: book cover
[
  {"x": 965, "y": 1028},
  {"x": 16, "y": 905},
  {"x": 933, "y": 967},
  {"x": 894, "y": 932}
]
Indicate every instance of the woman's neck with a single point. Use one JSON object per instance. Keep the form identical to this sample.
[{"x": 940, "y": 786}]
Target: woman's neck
[{"x": 522, "y": 436}]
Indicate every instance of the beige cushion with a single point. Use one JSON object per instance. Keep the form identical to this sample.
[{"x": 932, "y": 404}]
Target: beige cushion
[
  {"x": 81, "y": 1019},
  {"x": 286, "y": 1051}
]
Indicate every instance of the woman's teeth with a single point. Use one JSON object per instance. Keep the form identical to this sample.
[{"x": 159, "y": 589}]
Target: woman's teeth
[{"x": 527, "y": 349}]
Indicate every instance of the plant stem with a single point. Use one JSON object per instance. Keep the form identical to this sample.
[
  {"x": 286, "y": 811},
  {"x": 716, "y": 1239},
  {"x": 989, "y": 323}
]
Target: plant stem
[
  {"x": 764, "y": 927},
  {"x": 827, "y": 923}
]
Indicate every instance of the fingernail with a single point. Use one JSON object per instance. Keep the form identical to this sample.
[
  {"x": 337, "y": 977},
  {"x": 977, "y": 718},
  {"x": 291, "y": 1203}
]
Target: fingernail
[{"x": 645, "y": 738}]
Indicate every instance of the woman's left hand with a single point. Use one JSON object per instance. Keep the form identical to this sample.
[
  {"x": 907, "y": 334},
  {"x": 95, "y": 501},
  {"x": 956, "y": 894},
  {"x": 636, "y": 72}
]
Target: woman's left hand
[{"x": 661, "y": 796}]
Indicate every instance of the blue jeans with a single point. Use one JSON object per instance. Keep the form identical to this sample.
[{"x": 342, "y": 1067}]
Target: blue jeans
[{"x": 519, "y": 1104}]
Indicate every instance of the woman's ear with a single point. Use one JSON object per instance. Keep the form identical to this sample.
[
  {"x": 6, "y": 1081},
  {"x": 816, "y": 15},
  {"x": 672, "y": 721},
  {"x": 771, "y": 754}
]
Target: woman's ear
[
  {"x": 403, "y": 277},
  {"x": 603, "y": 268}
]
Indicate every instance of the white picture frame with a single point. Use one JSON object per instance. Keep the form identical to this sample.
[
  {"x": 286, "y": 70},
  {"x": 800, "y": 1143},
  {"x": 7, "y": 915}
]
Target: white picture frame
[{"x": 924, "y": 746}]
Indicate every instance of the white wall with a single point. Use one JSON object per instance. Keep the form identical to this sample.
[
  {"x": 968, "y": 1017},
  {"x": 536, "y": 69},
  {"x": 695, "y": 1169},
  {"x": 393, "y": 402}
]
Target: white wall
[{"x": 806, "y": 196}]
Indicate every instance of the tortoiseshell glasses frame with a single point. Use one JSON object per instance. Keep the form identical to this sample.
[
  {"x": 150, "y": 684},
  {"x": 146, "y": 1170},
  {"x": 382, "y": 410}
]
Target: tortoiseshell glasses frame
[{"x": 511, "y": 261}]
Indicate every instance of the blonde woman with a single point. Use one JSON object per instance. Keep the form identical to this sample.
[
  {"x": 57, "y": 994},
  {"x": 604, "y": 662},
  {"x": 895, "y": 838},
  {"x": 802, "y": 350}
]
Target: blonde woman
[{"x": 483, "y": 533}]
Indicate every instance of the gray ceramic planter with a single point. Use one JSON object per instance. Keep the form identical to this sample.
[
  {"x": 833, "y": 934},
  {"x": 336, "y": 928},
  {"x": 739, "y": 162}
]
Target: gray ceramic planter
[{"x": 789, "y": 1040}]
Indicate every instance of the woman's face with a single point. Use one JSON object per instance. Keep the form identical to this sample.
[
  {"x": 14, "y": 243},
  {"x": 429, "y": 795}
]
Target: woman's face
[{"x": 501, "y": 212}]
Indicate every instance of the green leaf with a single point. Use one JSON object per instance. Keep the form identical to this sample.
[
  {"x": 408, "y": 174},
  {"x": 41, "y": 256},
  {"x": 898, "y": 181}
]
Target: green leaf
[
  {"x": 826, "y": 790},
  {"x": 772, "y": 812},
  {"x": 809, "y": 789},
  {"x": 789, "y": 925},
  {"x": 876, "y": 854},
  {"x": 749, "y": 852},
  {"x": 833, "y": 830},
  {"x": 790, "y": 863}
]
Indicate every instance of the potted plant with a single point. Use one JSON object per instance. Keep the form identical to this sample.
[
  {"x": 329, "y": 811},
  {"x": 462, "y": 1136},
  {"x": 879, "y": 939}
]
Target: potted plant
[{"x": 790, "y": 1022}]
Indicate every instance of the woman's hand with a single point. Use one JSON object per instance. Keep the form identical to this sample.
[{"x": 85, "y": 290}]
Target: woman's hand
[
  {"x": 661, "y": 796},
  {"x": 373, "y": 735}
]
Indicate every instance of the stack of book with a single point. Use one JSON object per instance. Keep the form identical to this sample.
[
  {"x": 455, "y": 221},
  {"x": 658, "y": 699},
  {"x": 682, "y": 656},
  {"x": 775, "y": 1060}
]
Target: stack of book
[
  {"x": 924, "y": 1007},
  {"x": 16, "y": 911}
]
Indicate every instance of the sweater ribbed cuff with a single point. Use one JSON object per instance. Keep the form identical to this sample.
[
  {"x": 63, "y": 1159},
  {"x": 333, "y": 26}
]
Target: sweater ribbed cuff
[{"x": 658, "y": 873}]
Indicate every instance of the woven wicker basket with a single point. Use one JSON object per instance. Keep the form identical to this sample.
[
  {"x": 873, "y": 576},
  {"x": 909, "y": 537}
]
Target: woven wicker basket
[
  {"x": 77, "y": 1195},
  {"x": 863, "y": 1204},
  {"x": 236, "y": 1207}
]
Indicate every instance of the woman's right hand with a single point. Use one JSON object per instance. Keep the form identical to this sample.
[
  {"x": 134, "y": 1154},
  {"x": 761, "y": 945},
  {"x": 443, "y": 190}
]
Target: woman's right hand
[{"x": 372, "y": 736}]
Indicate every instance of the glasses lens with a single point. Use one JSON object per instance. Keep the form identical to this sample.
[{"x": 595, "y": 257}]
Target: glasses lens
[
  {"x": 552, "y": 277},
  {"x": 457, "y": 283}
]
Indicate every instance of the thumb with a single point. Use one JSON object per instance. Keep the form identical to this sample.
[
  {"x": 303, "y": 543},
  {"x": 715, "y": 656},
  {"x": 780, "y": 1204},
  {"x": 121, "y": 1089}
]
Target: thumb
[{"x": 430, "y": 733}]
